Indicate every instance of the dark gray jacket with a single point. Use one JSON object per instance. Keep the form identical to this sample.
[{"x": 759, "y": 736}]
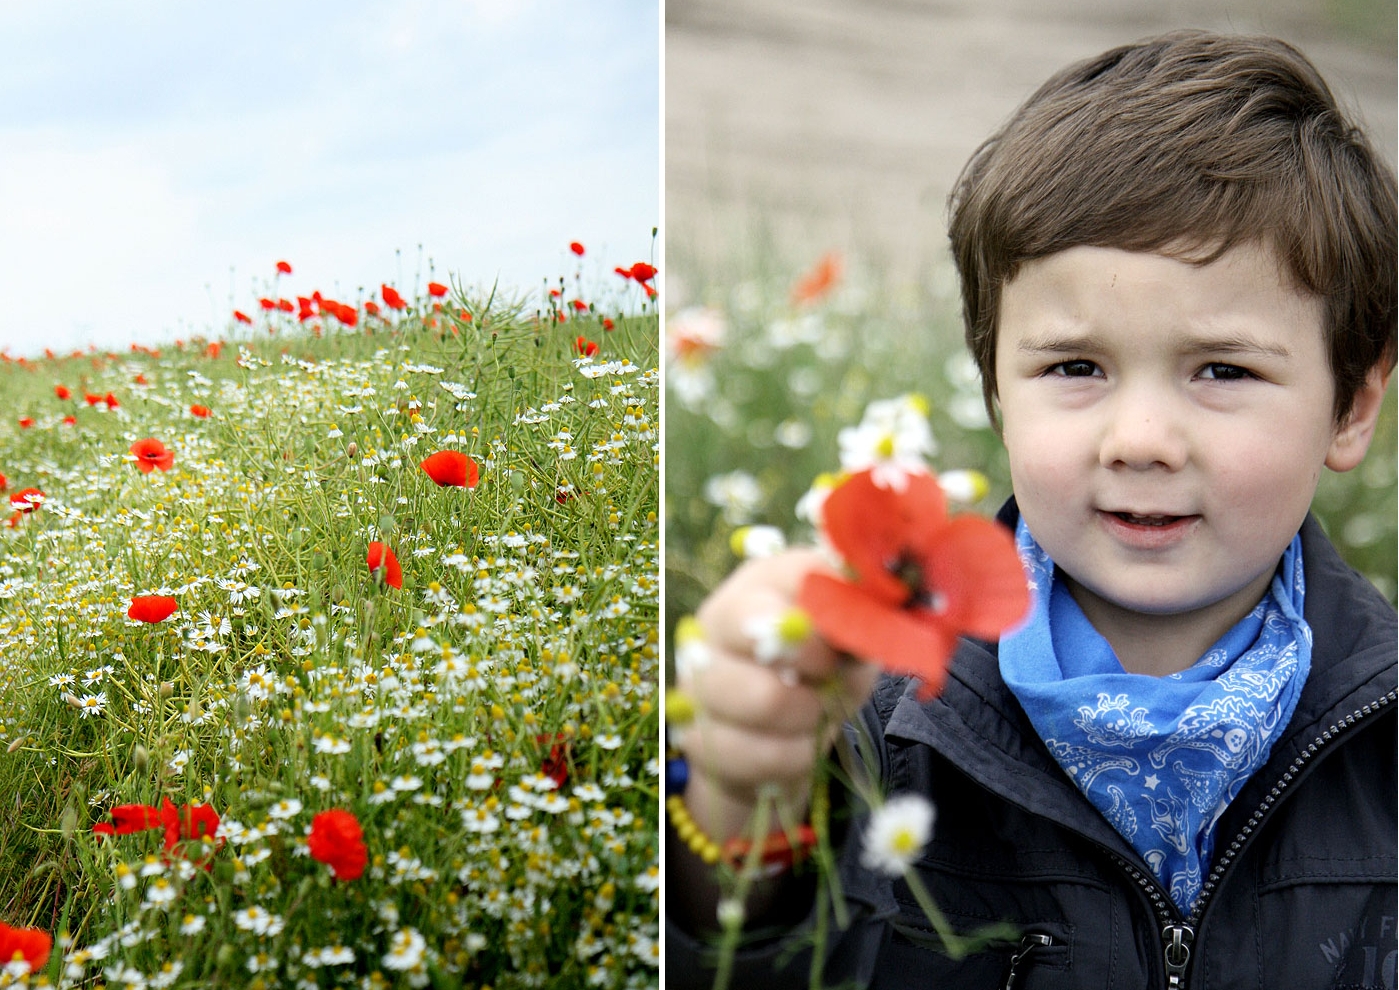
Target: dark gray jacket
[{"x": 1302, "y": 891}]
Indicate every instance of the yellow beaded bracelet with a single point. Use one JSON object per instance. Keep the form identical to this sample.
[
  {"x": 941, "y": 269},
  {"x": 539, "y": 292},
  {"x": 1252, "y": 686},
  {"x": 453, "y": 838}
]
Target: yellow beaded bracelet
[{"x": 690, "y": 833}]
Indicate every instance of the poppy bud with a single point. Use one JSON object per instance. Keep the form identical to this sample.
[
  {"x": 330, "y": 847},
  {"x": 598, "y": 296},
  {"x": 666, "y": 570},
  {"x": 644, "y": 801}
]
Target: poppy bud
[
  {"x": 166, "y": 689},
  {"x": 517, "y": 481},
  {"x": 68, "y": 823},
  {"x": 352, "y": 449},
  {"x": 141, "y": 757}
]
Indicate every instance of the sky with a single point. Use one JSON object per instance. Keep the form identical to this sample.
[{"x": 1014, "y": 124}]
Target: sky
[{"x": 158, "y": 157}]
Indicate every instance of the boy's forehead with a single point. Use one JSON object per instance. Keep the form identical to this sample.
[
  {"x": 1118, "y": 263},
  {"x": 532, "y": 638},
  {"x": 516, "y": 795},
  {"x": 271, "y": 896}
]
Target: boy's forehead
[{"x": 1244, "y": 299}]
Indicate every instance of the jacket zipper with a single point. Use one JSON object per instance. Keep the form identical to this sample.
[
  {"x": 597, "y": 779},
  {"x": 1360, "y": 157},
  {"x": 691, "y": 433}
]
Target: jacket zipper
[
  {"x": 1176, "y": 935},
  {"x": 1028, "y": 944}
]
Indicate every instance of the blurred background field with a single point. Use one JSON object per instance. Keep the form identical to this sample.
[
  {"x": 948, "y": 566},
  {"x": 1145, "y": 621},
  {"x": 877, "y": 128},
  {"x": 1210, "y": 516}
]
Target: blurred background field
[{"x": 800, "y": 130}]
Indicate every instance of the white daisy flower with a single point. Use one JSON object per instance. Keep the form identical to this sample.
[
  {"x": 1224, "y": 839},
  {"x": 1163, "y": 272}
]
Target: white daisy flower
[
  {"x": 779, "y": 636},
  {"x": 405, "y": 950},
  {"x": 893, "y": 441},
  {"x": 897, "y": 832},
  {"x": 752, "y": 542}
]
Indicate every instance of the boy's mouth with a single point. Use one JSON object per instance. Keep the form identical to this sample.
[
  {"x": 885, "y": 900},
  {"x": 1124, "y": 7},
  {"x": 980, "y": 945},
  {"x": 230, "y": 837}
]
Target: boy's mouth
[
  {"x": 1148, "y": 531},
  {"x": 1147, "y": 520}
]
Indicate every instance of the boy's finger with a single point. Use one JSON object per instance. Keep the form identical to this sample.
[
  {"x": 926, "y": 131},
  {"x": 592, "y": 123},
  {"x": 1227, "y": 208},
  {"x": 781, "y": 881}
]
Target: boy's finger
[
  {"x": 744, "y": 760},
  {"x": 762, "y": 698},
  {"x": 759, "y": 593}
]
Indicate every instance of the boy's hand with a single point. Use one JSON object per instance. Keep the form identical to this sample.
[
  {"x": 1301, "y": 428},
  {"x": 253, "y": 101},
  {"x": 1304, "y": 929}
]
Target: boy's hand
[{"x": 758, "y": 723}]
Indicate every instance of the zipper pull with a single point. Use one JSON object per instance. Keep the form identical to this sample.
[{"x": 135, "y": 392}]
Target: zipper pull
[
  {"x": 1028, "y": 944},
  {"x": 1178, "y": 939}
]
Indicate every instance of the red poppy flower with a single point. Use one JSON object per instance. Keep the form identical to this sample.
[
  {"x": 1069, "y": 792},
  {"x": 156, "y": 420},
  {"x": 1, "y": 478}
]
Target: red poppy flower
[
  {"x": 3, "y": 483},
  {"x": 381, "y": 557},
  {"x": 436, "y": 289},
  {"x": 920, "y": 579},
  {"x": 371, "y": 307},
  {"x": 555, "y": 765},
  {"x": 585, "y": 347},
  {"x": 70, "y": 421},
  {"x": 129, "y": 818},
  {"x": 642, "y": 272},
  {"x": 578, "y": 305},
  {"x": 284, "y": 267},
  {"x": 266, "y": 303},
  {"x": 607, "y": 323},
  {"x": 201, "y": 411},
  {"x": 151, "y": 454},
  {"x": 241, "y": 316},
  {"x": 192, "y": 823},
  {"x": 91, "y": 399},
  {"x": 30, "y": 945},
  {"x": 26, "y": 499},
  {"x": 141, "y": 379},
  {"x": 337, "y": 840},
  {"x": 818, "y": 283},
  {"x": 391, "y": 297},
  {"x": 26, "y": 422},
  {"x": 62, "y": 392},
  {"x": 285, "y": 305},
  {"x": 111, "y": 400},
  {"x": 576, "y": 248},
  {"x": 451, "y": 469},
  {"x": 152, "y": 608}
]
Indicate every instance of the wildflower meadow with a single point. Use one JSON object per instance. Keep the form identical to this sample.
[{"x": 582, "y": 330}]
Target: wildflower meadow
[{"x": 328, "y": 651}]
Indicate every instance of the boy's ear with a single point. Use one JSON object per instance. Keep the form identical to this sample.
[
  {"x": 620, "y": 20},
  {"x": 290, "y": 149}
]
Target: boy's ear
[{"x": 1352, "y": 437}]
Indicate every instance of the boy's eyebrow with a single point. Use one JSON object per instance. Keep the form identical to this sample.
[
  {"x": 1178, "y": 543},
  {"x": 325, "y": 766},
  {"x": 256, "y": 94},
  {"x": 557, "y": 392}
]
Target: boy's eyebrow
[
  {"x": 1088, "y": 343},
  {"x": 1065, "y": 343},
  {"x": 1228, "y": 343}
]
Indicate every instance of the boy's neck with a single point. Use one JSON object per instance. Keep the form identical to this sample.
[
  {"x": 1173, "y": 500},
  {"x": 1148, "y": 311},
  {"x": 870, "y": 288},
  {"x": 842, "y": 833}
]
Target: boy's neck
[{"x": 1157, "y": 645}]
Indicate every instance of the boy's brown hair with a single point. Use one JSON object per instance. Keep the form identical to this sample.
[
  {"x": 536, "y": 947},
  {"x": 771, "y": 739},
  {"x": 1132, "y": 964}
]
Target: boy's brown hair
[{"x": 1187, "y": 144}]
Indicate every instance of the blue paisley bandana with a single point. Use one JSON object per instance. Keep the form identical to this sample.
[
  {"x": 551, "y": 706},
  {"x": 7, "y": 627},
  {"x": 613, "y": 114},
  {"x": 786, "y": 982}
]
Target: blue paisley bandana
[{"x": 1159, "y": 757}]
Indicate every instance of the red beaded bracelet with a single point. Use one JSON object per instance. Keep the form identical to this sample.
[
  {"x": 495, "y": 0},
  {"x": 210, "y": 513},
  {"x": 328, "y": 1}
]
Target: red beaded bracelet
[{"x": 780, "y": 850}]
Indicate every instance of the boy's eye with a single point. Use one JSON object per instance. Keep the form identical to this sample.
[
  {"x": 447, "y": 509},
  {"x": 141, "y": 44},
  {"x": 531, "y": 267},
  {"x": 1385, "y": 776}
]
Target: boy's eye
[
  {"x": 1224, "y": 372},
  {"x": 1074, "y": 369}
]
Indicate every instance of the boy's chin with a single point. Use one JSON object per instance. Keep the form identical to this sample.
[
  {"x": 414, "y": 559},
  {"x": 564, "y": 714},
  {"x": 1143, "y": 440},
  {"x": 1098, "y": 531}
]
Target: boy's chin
[{"x": 1155, "y": 600}]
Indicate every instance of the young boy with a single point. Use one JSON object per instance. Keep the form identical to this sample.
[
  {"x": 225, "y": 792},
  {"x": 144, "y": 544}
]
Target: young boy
[{"x": 1178, "y": 270}]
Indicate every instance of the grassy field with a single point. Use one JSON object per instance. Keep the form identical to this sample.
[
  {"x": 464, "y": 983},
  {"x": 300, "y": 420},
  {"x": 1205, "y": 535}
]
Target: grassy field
[{"x": 489, "y": 727}]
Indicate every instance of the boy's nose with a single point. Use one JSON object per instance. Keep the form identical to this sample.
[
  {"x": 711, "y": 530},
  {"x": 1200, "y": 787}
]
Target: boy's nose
[{"x": 1141, "y": 433}]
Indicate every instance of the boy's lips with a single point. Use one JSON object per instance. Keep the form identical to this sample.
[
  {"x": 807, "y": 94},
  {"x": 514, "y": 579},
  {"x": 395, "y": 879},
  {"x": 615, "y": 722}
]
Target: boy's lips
[
  {"x": 1147, "y": 530},
  {"x": 1149, "y": 518}
]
